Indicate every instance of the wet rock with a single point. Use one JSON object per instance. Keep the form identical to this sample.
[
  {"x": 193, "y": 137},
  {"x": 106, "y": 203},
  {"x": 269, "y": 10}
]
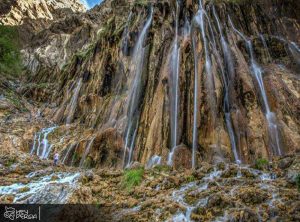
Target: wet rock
[
  {"x": 293, "y": 171},
  {"x": 182, "y": 157},
  {"x": 136, "y": 165},
  {"x": 219, "y": 200},
  {"x": 285, "y": 163},
  {"x": 252, "y": 195},
  {"x": 24, "y": 189},
  {"x": 230, "y": 172},
  {"x": 244, "y": 215}
]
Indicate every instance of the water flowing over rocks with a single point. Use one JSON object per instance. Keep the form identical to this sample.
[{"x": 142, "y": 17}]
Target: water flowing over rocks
[
  {"x": 204, "y": 94},
  {"x": 245, "y": 103}
]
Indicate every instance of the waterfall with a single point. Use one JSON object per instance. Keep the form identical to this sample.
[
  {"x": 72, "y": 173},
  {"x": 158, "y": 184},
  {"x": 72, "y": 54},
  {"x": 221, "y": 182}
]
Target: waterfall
[
  {"x": 86, "y": 152},
  {"x": 133, "y": 113},
  {"x": 257, "y": 72},
  {"x": 73, "y": 103},
  {"x": 295, "y": 51},
  {"x": 263, "y": 40},
  {"x": 74, "y": 154},
  {"x": 154, "y": 161},
  {"x": 174, "y": 89},
  {"x": 199, "y": 18},
  {"x": 112, "y": 119},
  {"x": 195, "y": 130},
  {"x": 68, "y": 152},
  {"x": 228, "y": 79},
  {"x": 125, "y": 35},
  {"x": 41, "y": 145}
]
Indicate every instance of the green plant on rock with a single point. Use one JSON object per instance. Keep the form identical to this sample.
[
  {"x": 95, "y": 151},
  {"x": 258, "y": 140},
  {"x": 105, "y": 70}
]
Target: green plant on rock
[
  {"x": 10, "y": 57},
  {"x": 141, "y": 2},
  {"x": 162, "y": 168},
  {"x": 132, "y": 178},
  {"x": 10, "y": 161},
  {"x": 261, "y": 164},
  {"x": 190, "y": 178}
]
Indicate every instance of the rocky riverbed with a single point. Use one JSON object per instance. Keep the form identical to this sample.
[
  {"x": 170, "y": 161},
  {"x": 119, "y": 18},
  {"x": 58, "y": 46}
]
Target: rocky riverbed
[{"x": 223, "y": 192}]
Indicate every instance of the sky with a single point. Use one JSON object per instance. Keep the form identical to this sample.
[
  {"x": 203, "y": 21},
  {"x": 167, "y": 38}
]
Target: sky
[{"x": 90, "y": 3}]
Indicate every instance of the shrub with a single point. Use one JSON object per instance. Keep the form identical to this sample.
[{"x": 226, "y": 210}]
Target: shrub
[
  {"x": 10, "y": 58},
  {"x": 132, "y": 178},
  {"x": 261, "y": 164}
]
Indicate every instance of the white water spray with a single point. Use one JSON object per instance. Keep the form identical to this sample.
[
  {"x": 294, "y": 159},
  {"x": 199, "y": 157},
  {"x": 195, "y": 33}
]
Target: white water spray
[{"x": 135, "y": 93}]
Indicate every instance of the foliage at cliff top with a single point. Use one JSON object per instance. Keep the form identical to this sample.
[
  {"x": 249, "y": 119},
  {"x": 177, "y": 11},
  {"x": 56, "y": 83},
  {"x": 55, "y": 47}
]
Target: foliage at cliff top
[{"x": 10, "y": 58}]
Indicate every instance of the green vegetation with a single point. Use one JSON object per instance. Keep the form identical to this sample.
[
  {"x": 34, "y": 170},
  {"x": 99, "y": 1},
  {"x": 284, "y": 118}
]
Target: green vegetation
[
  {"x": 141, "y": 2},
  {"x": 298, "y": 182},
  {"x": 10, "y": 58},
  {"x": 162, "y": 168},
  {"x": 132, "y": 178},
  {"x": 190, "y": 178},
  {"x": 261, "y": 164},
  {"x": 10, "y": 161}
]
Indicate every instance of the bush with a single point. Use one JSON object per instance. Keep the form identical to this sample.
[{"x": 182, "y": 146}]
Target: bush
[
  {"x": 10, "y": 57},
  {"x": 261, "y": 164},
  {"x": 132, "y": 178}
]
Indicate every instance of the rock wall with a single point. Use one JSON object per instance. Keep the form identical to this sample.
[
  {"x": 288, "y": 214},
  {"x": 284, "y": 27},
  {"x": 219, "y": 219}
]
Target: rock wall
[{"x": 85, "y": 64}]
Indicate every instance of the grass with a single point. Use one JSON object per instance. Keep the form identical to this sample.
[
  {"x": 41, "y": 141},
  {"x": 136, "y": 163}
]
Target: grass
[
  {"x": 261, "y": 164},
  {"x": 10, "y": 57},
  {"x": 132, "y": 178}
]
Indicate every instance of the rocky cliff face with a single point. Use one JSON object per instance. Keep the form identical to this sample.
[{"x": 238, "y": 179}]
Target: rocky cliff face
[
  {"x": 184, "y": 80},
  {"x": 208, "y": 85},
  {"x": 16, "y": 11}
]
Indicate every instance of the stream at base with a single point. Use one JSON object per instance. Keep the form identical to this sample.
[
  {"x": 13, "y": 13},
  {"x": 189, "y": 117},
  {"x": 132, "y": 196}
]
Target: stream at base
[{"x": 50, "y": 189}]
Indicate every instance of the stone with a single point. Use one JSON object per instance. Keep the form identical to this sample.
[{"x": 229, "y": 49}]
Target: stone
[{"x": 182, "y": 157}]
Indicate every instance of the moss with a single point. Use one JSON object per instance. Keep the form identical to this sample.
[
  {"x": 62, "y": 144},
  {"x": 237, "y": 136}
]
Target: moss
[
  {"x": 141, "y": 2},
  {"x": 75, "y": 157},
  {"x": 24, "y": 189},
  {"x": 88, "y": 163},
  {"x": 10, "y": 161},
  {"x": 10, "y": 57},
  {"x": 261, "y": 164},
  {"x": 190, "y": 178},
  {"x": 162, "y": 168},
  {"x": 86, "y": 52},
  {"x": 132, "y": 178}
]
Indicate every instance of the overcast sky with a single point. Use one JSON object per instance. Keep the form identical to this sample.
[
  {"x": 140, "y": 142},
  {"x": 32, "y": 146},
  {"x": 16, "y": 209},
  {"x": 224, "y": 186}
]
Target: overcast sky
[{"x": 90, "y": 3}]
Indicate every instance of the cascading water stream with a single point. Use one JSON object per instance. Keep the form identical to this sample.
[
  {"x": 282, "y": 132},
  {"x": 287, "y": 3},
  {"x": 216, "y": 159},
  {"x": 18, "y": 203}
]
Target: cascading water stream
[
  {"x": 86, "y": 152},
  {"x": 68, "y": 153},
  {"x": 199, "y": 20},
  {"x": 174, "y": 89},
  {"x": 133, "y": 113},
  {"x": 41, "y": 145},
  {"x": 270, "y": 116},
  {"x": 227, "y": 84},
  {"x": 73, "y": 103},
  {"x": 263, "y": 40},
  {"x": 154, "y": 161},
  {"x": 195, "y": 129}
]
